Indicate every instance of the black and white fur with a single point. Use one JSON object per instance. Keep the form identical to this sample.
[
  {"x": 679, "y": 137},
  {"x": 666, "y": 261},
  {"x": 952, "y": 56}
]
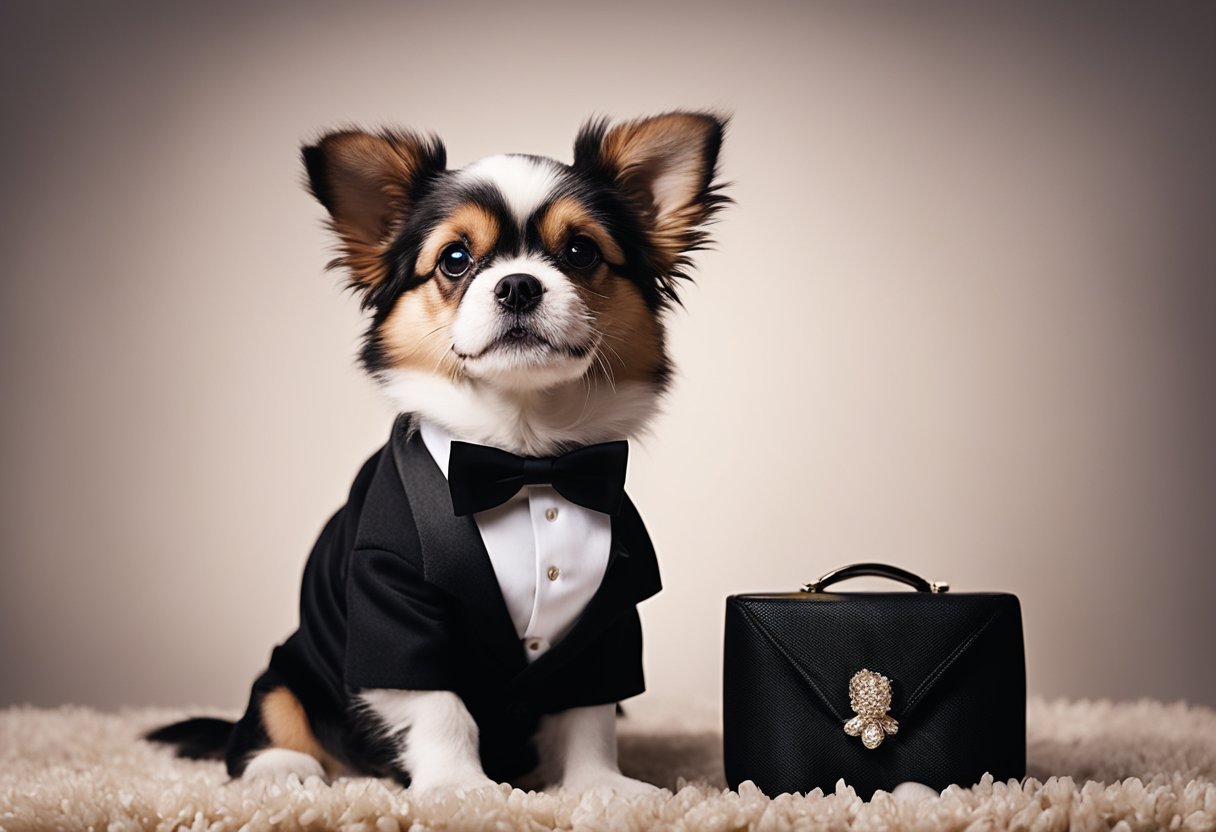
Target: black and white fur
[{"x": 577, "y": 355}]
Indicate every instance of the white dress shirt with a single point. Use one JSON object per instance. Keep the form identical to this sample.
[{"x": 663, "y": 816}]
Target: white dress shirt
[{"x": 548, "y": 554}]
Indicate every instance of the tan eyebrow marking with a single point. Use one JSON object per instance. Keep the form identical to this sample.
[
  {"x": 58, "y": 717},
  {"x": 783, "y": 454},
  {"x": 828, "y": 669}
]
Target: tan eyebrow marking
[
  {"x": 469, "y": 222},
  {"x": 567, "y": 217}
]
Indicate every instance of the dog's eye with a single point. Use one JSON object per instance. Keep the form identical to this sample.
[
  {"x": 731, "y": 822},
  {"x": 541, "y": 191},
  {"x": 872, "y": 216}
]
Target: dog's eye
[
  {"x": 581, "y": 253},
  {"x": 455, "y": 261}
]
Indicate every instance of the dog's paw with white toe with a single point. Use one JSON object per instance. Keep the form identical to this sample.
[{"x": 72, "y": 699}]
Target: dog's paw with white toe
[
  {"x": 458, "y": 785},
  {"x": 278, "y": 766},
  {"x": 913, "y": 792},
  {"x": 609, "y": 785}
]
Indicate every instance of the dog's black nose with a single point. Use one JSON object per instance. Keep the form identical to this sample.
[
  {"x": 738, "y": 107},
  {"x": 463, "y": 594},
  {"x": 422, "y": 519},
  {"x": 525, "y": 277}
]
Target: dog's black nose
[{"x": 519, "y": 292}]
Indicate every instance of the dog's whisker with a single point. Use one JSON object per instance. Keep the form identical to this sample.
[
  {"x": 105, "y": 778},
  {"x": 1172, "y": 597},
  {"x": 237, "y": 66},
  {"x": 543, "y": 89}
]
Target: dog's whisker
[
  {"x": 603, "y": 364},
  {"x": 620, "y": 360}
]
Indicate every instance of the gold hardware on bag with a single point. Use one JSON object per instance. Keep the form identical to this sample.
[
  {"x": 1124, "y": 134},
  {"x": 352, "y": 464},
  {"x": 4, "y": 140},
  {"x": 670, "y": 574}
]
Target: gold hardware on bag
[{"x": 870, "y": 696}]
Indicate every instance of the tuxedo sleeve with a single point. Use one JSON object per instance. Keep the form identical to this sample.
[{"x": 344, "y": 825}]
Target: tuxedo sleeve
[{"x": 399, "y": 629}]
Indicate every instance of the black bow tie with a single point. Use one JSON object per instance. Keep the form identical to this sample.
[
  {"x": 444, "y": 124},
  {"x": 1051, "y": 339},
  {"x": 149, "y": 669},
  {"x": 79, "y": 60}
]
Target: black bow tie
[{"x": 593, "y": 476}]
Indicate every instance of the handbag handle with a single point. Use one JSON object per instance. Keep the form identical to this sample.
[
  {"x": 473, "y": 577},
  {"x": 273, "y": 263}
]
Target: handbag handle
[{"x": 877, "y": 570}]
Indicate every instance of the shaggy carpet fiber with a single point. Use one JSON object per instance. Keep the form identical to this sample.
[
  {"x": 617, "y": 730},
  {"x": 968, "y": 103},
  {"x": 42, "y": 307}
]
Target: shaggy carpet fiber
[{"x": 1093, "y": 765}]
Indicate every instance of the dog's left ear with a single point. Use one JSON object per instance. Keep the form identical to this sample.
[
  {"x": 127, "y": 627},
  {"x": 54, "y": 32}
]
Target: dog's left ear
[
  {"x": 666, "y": 165},
  {"x": 369, "y": 182}
]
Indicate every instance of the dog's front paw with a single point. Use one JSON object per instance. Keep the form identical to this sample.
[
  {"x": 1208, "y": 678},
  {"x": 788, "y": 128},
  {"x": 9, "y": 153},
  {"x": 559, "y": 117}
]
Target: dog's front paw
[
  {"x": 608, "y": 785},
  {"x": 912, "y": 792},
  {"x": 443, "y": 784},
  {"x": 279, "y": 766}
]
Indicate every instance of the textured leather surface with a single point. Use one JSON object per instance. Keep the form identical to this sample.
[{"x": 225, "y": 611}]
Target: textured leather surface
[{"x": 957, "y": 668}]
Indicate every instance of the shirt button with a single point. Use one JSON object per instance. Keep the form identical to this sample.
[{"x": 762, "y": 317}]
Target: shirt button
[
  {"x": 554, "y": 572},
  {"x": 535, "y": 644},
  {"x": 551, "y": 514}
]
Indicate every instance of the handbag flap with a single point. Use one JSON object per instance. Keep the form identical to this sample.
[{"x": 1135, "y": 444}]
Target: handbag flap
[{"x": 912, "y": 638}]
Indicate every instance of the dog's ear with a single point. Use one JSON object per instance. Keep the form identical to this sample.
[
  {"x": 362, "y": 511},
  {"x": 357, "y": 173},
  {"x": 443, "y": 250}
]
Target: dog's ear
[
  {"x": 666, "y": 165},
  {"x": 368, "y": 183}
]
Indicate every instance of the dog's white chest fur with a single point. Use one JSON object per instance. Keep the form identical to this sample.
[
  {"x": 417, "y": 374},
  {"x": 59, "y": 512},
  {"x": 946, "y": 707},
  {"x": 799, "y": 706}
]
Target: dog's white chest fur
[{"x": 549, "y": 554}]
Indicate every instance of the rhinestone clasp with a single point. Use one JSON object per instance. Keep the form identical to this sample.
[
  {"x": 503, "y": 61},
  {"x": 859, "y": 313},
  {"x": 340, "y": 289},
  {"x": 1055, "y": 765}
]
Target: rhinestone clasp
[{"x": 870, "y": 696}]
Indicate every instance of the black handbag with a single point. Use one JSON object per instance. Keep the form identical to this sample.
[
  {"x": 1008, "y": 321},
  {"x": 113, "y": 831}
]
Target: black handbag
[{"x": 877, "y": 688}]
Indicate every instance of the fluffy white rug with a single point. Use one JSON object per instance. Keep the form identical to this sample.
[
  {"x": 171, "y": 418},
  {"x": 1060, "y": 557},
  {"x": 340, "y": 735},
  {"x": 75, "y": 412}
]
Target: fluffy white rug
[{"x": 1093, "y": 765}]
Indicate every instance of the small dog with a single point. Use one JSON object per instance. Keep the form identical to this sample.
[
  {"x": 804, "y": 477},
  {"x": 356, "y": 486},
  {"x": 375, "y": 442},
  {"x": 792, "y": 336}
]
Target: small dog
[{"x": 518, "y": 304}]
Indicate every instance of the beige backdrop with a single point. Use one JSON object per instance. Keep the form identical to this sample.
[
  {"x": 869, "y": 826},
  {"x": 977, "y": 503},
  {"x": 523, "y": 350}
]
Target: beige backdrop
[{"x": 960, "y": 318}]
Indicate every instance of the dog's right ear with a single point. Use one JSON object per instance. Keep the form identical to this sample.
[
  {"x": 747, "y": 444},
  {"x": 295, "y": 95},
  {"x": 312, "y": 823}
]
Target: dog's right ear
[{"x": 368, "y": 183}]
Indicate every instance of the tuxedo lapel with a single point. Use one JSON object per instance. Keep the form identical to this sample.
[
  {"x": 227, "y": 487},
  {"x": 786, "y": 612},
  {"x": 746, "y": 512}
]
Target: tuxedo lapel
[{"x": 454, "y": 557}]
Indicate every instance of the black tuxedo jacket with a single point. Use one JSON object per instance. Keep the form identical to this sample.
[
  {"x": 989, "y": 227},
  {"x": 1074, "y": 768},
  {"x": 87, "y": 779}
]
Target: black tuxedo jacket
[{"x": 400, "y": 593}]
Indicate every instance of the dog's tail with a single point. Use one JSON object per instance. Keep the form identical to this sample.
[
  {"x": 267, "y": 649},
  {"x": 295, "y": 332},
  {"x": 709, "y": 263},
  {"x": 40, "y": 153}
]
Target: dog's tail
[{"x": 201, "y": 738}]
